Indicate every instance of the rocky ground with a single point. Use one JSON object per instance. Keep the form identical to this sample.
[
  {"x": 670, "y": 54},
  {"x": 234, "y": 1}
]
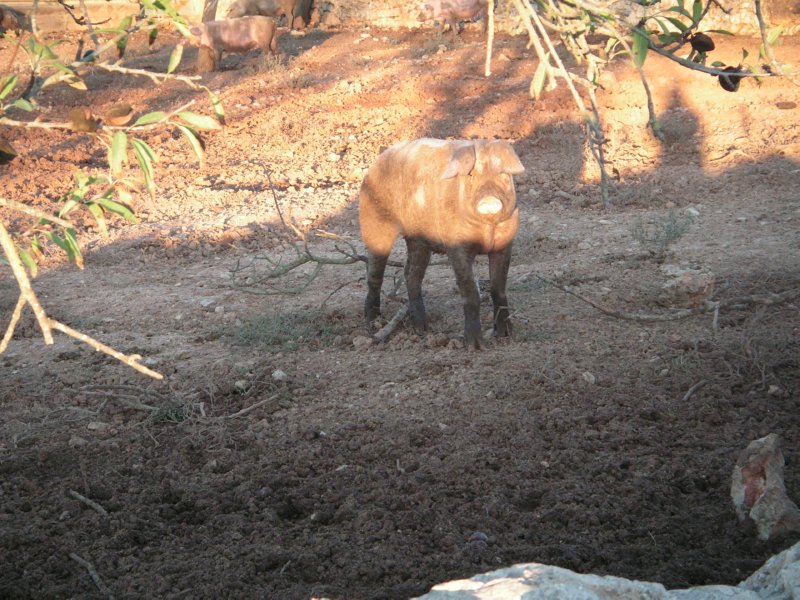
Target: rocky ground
[{"x": 376, "y": 471}]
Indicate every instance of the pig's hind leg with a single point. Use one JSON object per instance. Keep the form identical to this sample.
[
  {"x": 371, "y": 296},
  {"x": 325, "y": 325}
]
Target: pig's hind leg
[
  {"x": 419, "y": 255},
  {"x": 376, "y": 266}
]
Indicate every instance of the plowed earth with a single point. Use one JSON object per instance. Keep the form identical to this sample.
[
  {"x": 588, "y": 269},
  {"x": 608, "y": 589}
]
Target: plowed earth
[{"x": 378, "y": 471}]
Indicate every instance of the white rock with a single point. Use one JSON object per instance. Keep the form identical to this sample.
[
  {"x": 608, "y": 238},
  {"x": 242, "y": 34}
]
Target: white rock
[{"x": 278, "y": 375}]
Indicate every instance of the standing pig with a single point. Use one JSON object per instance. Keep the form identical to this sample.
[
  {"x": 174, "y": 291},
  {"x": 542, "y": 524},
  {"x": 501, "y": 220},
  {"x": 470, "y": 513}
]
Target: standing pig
[
  {"x": 234, "y": 35},
  {"x": 264, "y": 8},
  {"x": 453, "y": 197},
  {"x": 453, "y": 11}
]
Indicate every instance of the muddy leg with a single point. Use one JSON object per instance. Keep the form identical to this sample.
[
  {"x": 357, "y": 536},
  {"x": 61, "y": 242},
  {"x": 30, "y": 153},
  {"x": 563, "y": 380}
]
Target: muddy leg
[
  {"x": 462, "y": 259},
  {"x": 498, "y": 274},
  {"x": 419, "y": 255},
  {"x": 376, "y": 266}
]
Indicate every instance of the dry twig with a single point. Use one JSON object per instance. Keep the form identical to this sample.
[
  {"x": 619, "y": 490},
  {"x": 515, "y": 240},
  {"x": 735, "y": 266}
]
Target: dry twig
[
  {"x": 90, "y": 503},
  {"x": 93, "y": 574}
]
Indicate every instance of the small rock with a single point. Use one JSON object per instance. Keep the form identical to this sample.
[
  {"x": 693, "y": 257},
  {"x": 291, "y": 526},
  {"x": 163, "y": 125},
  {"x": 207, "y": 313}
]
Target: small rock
[
  {"x": 98, "y": 426},
  {"x": 588, "y": 377},
  {"x": 207, "y": 303},
  {"x": 76, "y": 441},
  {"x": 362, "y": 342},
  {"x": 241, "y": 384},
  {"x": 692, "y": 212},
  {"x": 219, "y": 309},
  {"x": 688, "y": 289},
  {"x": 758, "y": 490},
  {"x": 278, "y": 375}
]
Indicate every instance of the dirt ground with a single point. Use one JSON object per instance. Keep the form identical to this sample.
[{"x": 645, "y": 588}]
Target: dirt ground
[{"x": 378, "y": 471}]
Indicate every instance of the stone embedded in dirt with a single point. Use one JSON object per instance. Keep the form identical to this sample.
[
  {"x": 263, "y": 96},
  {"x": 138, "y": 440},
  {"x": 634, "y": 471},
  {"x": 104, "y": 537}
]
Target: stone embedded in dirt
[
  {"x": 688, "y": 288},
  {"x": 278, "y": 375},
  {"x": 758, "y": 490},
  {"x": 777, "y": 579},
  {"x": 362, "y": 342},
  {"x": 76, "y": 441}
]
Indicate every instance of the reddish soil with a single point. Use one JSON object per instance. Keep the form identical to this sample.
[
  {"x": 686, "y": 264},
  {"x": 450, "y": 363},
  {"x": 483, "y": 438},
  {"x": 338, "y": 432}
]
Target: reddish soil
[{"x": 377, "y": 472}]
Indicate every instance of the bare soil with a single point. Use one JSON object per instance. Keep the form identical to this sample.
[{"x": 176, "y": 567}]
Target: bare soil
[{"x": 378, "y": 471}]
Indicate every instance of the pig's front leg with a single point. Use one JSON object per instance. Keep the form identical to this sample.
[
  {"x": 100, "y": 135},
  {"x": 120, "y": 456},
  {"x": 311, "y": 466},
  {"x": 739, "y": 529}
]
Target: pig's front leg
[
  {"x": 419, "y": 255},
  {"x": 461, "y": 259},
  {"x": 498, "y": 275}
]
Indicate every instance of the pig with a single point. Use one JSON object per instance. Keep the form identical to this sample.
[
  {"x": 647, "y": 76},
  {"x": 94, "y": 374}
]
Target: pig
[
  {"x": 233, "y": 35},
  {"x": 264, "y": 8},
  {"x": 452, "y": 11},
  {"x": 453, "y": 197},
  {"x": 301, "y": 14}
]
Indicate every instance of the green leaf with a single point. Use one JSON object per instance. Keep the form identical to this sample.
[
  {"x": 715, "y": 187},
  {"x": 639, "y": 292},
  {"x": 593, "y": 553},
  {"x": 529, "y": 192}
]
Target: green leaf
[
  {"x": 639, "y": 48},
  {"x": 151, "y": 117},
  {"x": 147, "y": 149},
  {"x": 28, "y": 261},
  {"x": 669, "y": 38},
  {"x": 73, "y": 249},
  {"x": 717, "y": 64},
  {"x": 182, "y": 29},
  {"x": 199, "y": 121},
  {"x": 720, "y": 31},
  {"x": 97, "y": 213},
  {"x": 537, "y": 83},
  {"x": 8, "y": 85},
  {"x": 219, "y": 111},
  {"x": 117, "y": 153},
  {"x": 22, "y": 104},
  {"x": 151, "y": 37},
  {"x": 194, "y": 142},
  {"x": 144, "y": 157},
  {"x": 680, "y": 10},
  {"x": 745, "y": 54},
  {"x": 774, "y": 34},
  {"x": 677, "y": 23},
  {"x": 117, "y": 208},
  {"x": 697, "y": 10},
  {"x": 175, "y": 58},
  {"x": 69, "y": 205}
]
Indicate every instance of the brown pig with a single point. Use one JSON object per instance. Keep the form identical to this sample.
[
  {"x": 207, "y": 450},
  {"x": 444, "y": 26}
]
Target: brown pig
[
  {"x": 264, "y": 8},
  {"x": 234, "y": 35},
  {"x": 453, "y": 197},
  {"x": 453, "y": 11}
]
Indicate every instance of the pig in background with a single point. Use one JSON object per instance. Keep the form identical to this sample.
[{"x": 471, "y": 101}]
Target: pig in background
[
  {"x": 233, "y": 35},
  {"x": 263, "y": 8},
  {"x": 453, "y": 197},
  {"x": 452, "y": 11}
]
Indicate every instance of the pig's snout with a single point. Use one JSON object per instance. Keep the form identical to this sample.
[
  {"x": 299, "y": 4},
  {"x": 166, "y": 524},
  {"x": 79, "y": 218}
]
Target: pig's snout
[{"x": 489, "y": 205}]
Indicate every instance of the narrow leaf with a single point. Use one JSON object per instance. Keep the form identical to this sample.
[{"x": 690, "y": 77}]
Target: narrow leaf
[
  {"x": 639, "y": 49},
  {"x": 147, "y": 149},
  {"x": 142, "y": 152},
  {"x": 117, "y": 208},
  {"x": 720, "y": 31},
  {"x": 22, "y": 104},
  {"x": 677, "y": 23},
  {"x": 73, "y": 249},
  {"x": 194, "y": 142},
  {"x": 175, "y": 58},
  {"x": 537, "y": 83},
  {"x": 774, "y": 34},
  {"x": 97, "y": 213},
  {"x": 697, "y": 10},
  {"x": 151, "y": 117},
  {"x": 28, "y": 261},
  {"x": 219, "y": 111},
  {"x": 199, "y": 121},
  {"x": 681, "y": 10},
  {"x": 117, "y": 152},
  {"x": 8, "y": 85}
]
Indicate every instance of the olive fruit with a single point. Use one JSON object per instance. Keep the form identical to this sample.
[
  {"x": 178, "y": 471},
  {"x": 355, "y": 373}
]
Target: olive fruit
[{"x": 730, "y": 83}]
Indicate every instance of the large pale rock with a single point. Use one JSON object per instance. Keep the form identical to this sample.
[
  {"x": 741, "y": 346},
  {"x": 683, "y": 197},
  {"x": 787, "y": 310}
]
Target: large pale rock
[
  {"x": 778, "y": 579},
  {"x": 758, "y": 490}
]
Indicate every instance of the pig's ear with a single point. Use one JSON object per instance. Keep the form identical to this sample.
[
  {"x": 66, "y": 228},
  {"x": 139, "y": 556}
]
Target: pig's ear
[
  {"x": 195, "y": 30},
  {"x": 461, "y": 163},
  {"x": 503, "y": 159}
]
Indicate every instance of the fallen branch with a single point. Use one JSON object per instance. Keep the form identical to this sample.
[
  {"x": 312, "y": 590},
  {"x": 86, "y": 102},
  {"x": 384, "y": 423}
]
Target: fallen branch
[
  {"x": 90, "y": 503},
  {"x": 252, "y": 407},
  {"x": 693, "y": 389},
  {"x": 93, "y": 574},
  {"x": 708, "y": 306},
  {"x": 389, "y": 328}
]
